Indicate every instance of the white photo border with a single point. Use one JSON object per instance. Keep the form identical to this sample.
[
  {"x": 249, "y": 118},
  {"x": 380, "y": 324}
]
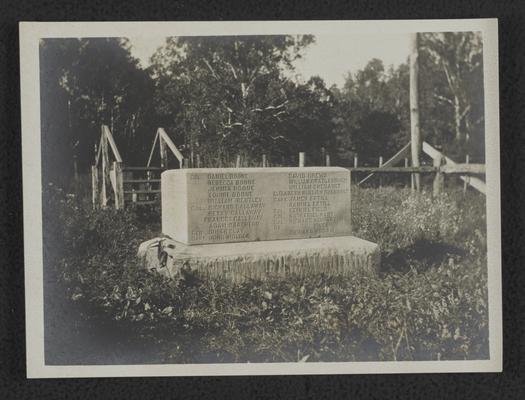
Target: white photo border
[{"x": 30, "y": 35}]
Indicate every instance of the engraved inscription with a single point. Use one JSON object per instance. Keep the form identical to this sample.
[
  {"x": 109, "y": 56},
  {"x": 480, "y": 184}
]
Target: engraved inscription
[
  {"x": 233, "y": 210},
  {"x": 308, "y": 202},
  {"x": 247, "y": 204}
]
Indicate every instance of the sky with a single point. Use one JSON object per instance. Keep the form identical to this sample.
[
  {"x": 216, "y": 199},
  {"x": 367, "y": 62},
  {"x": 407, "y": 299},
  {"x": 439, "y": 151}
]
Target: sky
[{"x": 331, "y": 57}]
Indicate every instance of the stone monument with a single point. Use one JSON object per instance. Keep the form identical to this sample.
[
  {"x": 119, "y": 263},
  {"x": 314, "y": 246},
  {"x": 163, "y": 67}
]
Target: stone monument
[{"x": 242, "y": 223}]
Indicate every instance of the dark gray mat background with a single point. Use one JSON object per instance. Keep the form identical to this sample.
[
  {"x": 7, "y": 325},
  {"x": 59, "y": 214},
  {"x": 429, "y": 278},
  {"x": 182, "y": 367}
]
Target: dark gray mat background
[{"x": 508, "y": 385}]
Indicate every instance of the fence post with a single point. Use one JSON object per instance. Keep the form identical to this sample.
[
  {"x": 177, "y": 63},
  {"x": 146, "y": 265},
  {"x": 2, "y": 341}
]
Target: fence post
[
  {"x": 467, "y": 177},
  {"x": 94, "y": 186},
  {"x": 163, "y": 153},
  {"x": 412, "y": 186},
  {"x": 238, "y": 161},
  {"x": 105, "y": 169},
  {"x": 406, "y": 166},
  {"x": 355, "y": 165},
  {"x": 415, "y": 132},
  {"x": 185, "y": 163},
  {"x": 301, "y": 159},
  {"x": 119, "y": 185},
  {"x": 198, "y": 160},
  {"x": 264, "y": 161},
  {"x": 380, "y": 175},
  {"x": 439, "y": 178},
  {"x": 327, "y": 158}
]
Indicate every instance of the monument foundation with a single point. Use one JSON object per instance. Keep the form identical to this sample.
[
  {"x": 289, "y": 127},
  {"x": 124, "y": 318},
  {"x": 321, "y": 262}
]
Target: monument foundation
[
  {"x": 250, "y": 223},
  {"x": 257, "y": 260}
]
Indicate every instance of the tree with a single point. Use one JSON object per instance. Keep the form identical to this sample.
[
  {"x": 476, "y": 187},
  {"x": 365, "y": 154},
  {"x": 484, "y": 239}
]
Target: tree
[
  {"x": 232, "y": 95},
  {"x": 86, "y": 83},
  {"x": 373, "y": 112},
  {"x": 453, "y": 71},
  {"x": 372, "y": 109}
]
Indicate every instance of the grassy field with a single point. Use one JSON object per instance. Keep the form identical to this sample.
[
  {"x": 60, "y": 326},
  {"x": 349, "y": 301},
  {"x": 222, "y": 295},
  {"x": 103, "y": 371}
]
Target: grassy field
[{"x": 429, "y": 301}]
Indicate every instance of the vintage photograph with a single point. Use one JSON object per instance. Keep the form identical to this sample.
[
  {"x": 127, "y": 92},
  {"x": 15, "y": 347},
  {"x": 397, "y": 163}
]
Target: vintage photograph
[{"x": 254, "y": 195}]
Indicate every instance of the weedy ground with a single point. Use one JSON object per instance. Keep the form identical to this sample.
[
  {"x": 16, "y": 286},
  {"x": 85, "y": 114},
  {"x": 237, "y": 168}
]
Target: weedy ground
[{"x": 429, "y": 301}]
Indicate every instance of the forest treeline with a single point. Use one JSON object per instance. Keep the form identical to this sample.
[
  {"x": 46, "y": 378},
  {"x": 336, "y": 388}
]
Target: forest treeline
[{"x": 223, "y": 96}]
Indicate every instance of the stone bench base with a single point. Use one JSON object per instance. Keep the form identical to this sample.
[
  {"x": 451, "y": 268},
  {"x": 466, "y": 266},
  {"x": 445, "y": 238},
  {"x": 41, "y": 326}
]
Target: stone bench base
[{"x": 258, "y": 260}]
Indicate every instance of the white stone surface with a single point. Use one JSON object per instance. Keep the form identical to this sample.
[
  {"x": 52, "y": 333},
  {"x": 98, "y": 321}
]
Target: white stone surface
[
  {"x": 336, "y": 256},
  {"x": 251, "y": 204}
]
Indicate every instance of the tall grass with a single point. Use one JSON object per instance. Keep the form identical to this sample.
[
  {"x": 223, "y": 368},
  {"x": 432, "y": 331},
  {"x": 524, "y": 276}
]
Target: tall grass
[{"x": 428, "y": 303}]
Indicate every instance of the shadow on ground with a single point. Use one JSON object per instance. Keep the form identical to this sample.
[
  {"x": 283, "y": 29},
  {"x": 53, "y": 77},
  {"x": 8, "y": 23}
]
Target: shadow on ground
[{"x": 422, "y": 255}]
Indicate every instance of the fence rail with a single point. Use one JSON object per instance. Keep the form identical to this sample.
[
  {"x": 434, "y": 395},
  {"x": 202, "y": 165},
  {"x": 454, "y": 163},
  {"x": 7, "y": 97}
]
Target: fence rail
[
  {"x": 111, "y": 178},
  {"x": 444, "y": 169}
]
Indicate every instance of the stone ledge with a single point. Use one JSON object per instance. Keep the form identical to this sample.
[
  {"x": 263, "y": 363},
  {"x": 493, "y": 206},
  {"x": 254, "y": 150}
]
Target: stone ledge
[{"x": 257, "y": 260}]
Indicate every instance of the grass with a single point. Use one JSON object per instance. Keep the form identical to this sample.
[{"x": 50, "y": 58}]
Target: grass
[{"x": 429, "y": 301}]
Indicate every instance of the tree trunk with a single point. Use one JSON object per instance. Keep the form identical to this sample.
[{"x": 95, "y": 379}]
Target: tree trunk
[{"x": 457, "y": 119}]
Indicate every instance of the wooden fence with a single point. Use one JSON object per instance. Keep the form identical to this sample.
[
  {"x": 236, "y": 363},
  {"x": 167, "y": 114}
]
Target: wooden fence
[{"x": 112, "y": 181}]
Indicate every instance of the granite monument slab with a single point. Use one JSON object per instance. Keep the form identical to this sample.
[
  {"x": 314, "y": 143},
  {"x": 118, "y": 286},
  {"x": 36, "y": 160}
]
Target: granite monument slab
[{"x": 203, "y": 206}]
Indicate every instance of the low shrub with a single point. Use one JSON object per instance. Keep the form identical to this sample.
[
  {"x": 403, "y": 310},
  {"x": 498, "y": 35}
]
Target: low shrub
[{"x": 417, "y": 309}]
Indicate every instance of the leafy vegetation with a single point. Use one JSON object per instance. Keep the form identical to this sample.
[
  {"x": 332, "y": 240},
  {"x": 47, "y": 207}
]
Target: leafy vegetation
[
  {"x": 220, "y": 97},
  {"x": 429, "y": 301},
  {"x": 229, "y": 96}
]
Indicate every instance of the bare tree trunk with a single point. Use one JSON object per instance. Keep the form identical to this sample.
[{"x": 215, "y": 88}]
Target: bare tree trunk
[
  {"x": 457, "y": 119},
  {"x": 415, "y": 135}
]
